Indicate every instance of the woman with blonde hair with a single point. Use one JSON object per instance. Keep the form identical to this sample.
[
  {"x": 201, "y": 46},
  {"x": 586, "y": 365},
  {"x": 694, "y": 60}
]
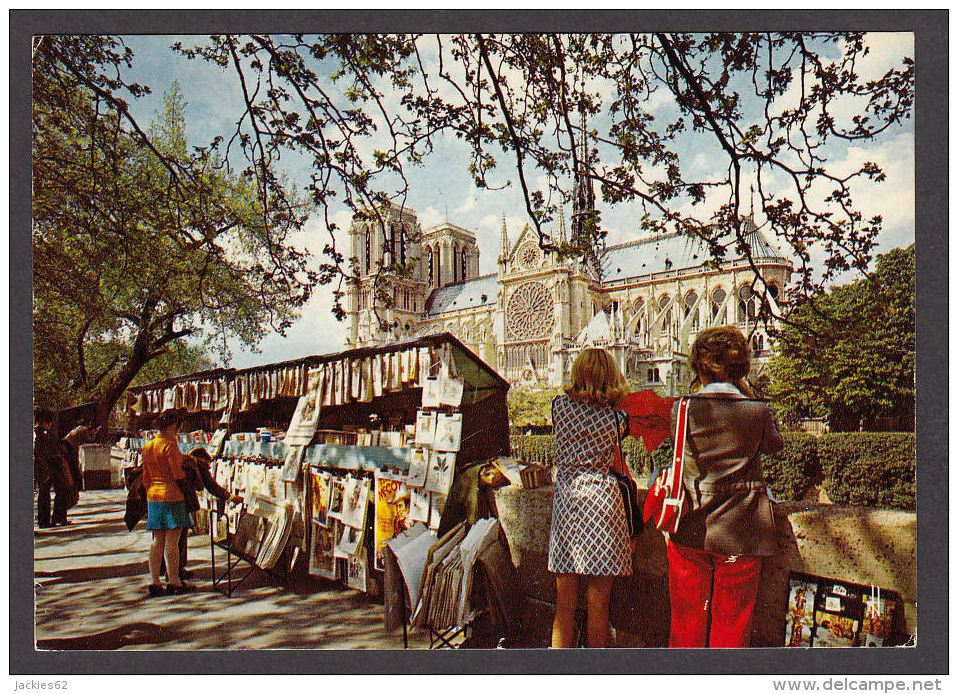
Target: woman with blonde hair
[
  {"x": 715, "y": 556},
  {"x": 589, "y": 537}
]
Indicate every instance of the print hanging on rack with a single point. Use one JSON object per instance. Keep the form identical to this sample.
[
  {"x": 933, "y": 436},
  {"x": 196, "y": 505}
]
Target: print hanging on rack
[
  {"x": 418, "y": 506},
  {"x": 306, "y": 417},
  {"x": 425, "y": 428},
  {"x": 357, "y": 570},
  {"x": 442, "y": 467},
  {"x": 418, "y": 467},
  {"x": 350, "y": 540},
  {"x": 355, "y": 502},
  {"x": 337, "y": 488},
  {"x": 448, "y": 432},
  {"x": 320, "y": 494},
  {"x": 451, "y": 391},
  {"x": 392, "y": 512},
  {"x": 322, "y": 560},
  {"x": 431, "y": 392},
  {"x": 293, "y": 464},
  {"x": 437, "y": 502}
]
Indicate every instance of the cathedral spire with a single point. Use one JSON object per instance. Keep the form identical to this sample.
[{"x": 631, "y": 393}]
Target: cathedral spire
[
  {"x": 561, "y": 230},
  {"x": 585, "y": 219},
  {"x": 503, "y": 241}
]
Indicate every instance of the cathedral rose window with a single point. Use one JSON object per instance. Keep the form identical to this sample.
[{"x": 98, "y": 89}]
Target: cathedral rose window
[
  {"x": 529, "y": 312},
  {"x": 528, "y": 255}
]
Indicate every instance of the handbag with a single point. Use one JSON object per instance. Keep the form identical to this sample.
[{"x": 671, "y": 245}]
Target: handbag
[
  {"x": 630, "y": 502},
  {"x": 666, "y": 500},
  {"x": 630, "y": 493}
]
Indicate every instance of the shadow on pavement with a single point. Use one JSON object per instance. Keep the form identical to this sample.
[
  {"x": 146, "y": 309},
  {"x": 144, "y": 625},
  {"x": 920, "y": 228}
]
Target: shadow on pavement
[{"x": 126, "y": 635}]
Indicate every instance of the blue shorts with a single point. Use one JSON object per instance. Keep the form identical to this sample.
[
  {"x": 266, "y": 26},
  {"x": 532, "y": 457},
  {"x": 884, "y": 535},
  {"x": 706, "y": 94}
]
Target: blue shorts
[{"x": 167, "y": 515}]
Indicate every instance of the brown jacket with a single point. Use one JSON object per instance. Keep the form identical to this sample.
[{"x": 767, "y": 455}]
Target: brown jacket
[{"x": 731, "y": 513}]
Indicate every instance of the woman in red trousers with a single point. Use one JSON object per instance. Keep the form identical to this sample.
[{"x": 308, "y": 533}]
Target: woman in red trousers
[{"x": 715, "y": 557}]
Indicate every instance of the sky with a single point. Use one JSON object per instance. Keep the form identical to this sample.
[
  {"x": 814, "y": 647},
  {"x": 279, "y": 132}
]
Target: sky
[{"x": 442, "y": 190}]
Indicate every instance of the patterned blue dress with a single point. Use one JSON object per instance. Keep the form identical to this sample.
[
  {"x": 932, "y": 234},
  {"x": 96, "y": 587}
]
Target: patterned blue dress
[{"x": 589, "y": 534}]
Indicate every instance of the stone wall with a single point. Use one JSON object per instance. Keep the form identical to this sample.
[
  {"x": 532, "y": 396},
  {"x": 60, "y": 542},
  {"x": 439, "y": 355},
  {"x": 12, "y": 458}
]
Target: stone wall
[{"x": 861, "y": 545}]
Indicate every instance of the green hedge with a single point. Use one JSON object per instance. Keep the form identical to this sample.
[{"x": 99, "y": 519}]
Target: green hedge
[
  {"x": 792, "y": 471},
  {"x": 867, "y": 469}
]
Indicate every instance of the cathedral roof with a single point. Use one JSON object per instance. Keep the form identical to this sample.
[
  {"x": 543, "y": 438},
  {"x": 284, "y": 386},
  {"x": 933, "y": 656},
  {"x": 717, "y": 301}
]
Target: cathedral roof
[
  {"x": 474, "y": 293},
  {"x": 669, "y": 252}
]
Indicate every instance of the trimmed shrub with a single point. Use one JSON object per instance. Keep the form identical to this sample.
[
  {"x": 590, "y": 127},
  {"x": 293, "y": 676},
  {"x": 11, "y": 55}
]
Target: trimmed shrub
[
  {"x": 791, "y": 472},
  {"x": 538, "y": 449},
  {"x": 532, "y": 448},
  {"x": 863, "y": 469},
  {"x": 869, "y": 469}
]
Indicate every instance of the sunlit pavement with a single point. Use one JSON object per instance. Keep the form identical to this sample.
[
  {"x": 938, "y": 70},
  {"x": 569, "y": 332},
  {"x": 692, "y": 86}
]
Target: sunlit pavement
[{"x": 91, "y": 582}]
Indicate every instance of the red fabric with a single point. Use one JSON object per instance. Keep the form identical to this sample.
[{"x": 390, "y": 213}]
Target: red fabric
[
  {"x": 696, "y": 578},
  {"x": 650, "y": 416}
]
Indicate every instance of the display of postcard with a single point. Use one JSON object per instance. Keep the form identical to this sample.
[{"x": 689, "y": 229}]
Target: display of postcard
[
  {"x": 834, "y": 630},
  {"x": 293, "y": 463},
  {"x": 418, "y": 506},
  {"x": 448, "y": 432},
  {"x": 425, "y": 428},
  {"x": 337, "y": 490},
  {"x": 355, "y": 502},
  {"x": 418, "y": 467},
  {"x": 800, "y": 613},
  {"x": 877, "y": 620},
  {"x": 319, "y": 482},
  {"x": 431, "y": 392},
  {"x": 322, "y": 561},
  {"x": 206, "y": 396},
  {"x": 216, "y": 443},
  {"x": 306, "y": 417},
  {"x": 442, "y": 467},
  {"x": 392, "y": 512},
  {"x": 349, "y": 540},
  {"x": 357, "y": 570},
  {"x": 437, "y": 502},
  {"x": 451, "y": 391}
]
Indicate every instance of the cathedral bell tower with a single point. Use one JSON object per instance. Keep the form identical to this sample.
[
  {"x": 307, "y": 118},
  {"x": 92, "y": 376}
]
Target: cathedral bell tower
[{"x": 387, "y": 251}]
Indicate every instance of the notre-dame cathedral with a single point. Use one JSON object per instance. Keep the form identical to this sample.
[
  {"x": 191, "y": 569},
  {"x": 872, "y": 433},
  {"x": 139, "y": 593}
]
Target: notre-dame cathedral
[{"x": 643, "y": 300}]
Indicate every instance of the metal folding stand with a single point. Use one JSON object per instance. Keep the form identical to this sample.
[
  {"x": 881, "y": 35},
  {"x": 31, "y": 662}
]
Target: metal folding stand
[
  {"x": 443, "y": 638},
  {"x": 225, "y": 583}
]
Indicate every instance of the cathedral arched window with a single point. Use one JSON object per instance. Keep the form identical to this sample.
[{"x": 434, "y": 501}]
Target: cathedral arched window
[
  {"x": 637, "y": 308},
  {"x": 663, "y": 302},
  {"x": 718, "y": 298},
  {"x": 773, "y": 290},
  {"x": 462, "y": 274},
  {"x": 402, "y": 244},
  {"x": 747, "y": 299},
  {"x": 690, "y": 300},
  {"x": 429, "y": 251},
  {"x": 437, "y": 256}
]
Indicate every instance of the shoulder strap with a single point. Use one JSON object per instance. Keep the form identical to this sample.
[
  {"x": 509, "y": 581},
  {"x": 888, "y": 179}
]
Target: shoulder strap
[{"x": 674, "y": 475}]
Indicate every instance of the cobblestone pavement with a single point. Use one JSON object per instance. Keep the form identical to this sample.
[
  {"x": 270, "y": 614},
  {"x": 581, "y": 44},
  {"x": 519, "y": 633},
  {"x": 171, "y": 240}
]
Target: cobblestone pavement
[{"x": 91, "y": 579}]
